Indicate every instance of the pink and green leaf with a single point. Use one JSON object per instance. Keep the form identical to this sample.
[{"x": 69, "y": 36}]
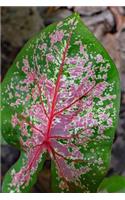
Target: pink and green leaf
[
  {"x": 61, "y": 96},
  {"x": 21, "y": 177}
]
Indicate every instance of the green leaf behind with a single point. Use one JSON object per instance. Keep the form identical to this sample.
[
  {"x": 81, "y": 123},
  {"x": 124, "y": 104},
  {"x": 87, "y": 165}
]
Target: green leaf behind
[{"x": 113, "y": 184}]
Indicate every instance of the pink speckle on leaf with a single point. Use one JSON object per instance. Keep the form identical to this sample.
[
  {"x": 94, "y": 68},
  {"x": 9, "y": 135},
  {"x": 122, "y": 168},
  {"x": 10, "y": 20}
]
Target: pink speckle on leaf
[
  {"x": 25, "y": 69},
  {"x": 30, "y": 77},
  {"x": 42, "y": 79},
  {"x": 103, "y": 116},
  {"x": 77, "y": 71},
  {"x": 109, "y": 122},
  {"x": 14, "y": 120},
  {"x": 81, "y": 48},
  {"x": 100, "y": 88},
  {"x": 99, "y": 58},
  {"x": 56, "y": 37},
  {"x": 28, "y": 97},
  {"x": 72, "y": 60},
  {"x": 105, "y": 76},
  {"x": 42, "y": 46},
  {"x": 50, "y": 57}
]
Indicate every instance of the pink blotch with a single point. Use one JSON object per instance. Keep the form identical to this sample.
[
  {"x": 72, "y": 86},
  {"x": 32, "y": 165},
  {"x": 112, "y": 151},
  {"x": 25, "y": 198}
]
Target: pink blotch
[
  {"x": 99, "y": 58},
  {"x": 109, "y": 122},
  {"x": 105, "y": 76},
  {"x": 18, "y": 101},
  {"x": 30, "y": 77},
  {"x": 18, "y": 177},
  {"x": 17, "y": 94},
  {"x": 56, "y": 37},
  {"x": 71, "y": 60},
  {"x": 77, "y": 71},
  {"x": 42, "y": 46},
  {"x": 101, "y": 129},
  {"x": 14, "y": 120},
  {"x": 25, "y": 69},
  {"x": 28, "y": 97},
  {"x": 100, "y": 88},
  {"x": 81, "y": 48},
  {"x": 42, "y": 79},
  {"x": 49, "y": 57},
  {"x": 103, "y": 116}
]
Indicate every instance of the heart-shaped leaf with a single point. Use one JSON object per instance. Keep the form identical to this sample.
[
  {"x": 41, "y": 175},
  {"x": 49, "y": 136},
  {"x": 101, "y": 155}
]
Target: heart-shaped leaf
[
  {"x": 113, "y": 184},
  {"x": 61, "y": 96}
]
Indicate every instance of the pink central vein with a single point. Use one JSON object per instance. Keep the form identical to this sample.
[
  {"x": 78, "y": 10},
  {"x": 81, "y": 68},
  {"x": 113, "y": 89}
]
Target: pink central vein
[
  {"x": 57, "y": 88},
  {"x": 47, "y": 135}
]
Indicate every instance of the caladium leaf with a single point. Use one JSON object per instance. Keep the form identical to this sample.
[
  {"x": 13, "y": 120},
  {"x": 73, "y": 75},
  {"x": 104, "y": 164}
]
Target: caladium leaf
[
  {"x": 113, "y": 184},
  {"x": 61, "y": 96}
]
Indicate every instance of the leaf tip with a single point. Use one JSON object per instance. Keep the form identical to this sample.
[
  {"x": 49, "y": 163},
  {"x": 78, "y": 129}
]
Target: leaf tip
[{"x": 76, "y": 15}]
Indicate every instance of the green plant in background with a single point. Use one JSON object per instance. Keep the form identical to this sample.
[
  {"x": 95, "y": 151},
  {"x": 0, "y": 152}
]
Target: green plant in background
[
  {"x": 61, "y": 97},
  {"x": 113, "y": 184}
]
